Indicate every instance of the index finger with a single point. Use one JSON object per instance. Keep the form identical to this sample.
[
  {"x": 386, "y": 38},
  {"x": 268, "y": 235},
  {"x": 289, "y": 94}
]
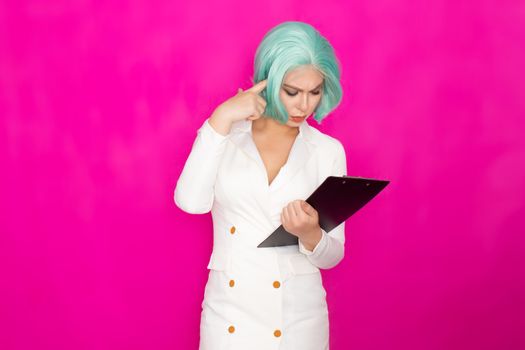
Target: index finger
[{"x": 257, "y": 88}]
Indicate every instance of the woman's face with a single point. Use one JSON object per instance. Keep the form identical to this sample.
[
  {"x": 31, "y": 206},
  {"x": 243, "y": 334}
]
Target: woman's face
[{"x": 301, "y": 92}]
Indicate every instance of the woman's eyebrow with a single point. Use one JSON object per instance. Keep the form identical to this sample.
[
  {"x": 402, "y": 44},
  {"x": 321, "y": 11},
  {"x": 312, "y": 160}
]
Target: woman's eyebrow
[{"x": 293, "y": 87}]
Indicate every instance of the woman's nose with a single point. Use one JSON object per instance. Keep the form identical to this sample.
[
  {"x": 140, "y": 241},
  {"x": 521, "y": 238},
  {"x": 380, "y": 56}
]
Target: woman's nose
[{"x": 303, "y": 103}]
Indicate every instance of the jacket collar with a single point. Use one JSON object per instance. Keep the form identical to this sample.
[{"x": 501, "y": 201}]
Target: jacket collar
[{"x": 302, "y": 150}]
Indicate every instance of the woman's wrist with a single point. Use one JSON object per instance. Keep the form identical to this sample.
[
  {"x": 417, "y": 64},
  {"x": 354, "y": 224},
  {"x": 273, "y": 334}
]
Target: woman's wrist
[
  {"x": 220, "y": 122},
  {"x": 311, "y": 239}
]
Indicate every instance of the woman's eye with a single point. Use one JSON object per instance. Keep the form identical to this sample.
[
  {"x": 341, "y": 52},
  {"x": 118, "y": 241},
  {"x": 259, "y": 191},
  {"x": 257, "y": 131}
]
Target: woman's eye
[{"x": 295, "y": 93}]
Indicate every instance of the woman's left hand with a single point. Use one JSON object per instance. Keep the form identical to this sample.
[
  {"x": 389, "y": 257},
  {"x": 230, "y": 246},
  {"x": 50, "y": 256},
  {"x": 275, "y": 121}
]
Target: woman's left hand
[{"x": 302, "y": 220}]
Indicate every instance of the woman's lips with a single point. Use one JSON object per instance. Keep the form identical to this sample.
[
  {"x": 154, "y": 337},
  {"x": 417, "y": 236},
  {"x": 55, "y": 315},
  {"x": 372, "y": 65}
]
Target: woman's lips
[{"x": 297, "y": 119}]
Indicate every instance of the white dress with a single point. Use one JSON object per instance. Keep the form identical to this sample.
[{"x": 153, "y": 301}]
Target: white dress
[{"x": 260, "y": 298}]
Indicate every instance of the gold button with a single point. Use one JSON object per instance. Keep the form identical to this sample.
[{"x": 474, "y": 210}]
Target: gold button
[
  {"x": 232, "y": 283},
  {"x": 231, "y": 329},
  {"x": 276, "y": 284},
  {"x": 232, "y": 230},
  {"x": 277, "y": 333}
]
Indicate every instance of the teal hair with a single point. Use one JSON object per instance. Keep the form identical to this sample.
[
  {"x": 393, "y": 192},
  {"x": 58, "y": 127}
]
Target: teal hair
[{"x": 290, "y": 45}]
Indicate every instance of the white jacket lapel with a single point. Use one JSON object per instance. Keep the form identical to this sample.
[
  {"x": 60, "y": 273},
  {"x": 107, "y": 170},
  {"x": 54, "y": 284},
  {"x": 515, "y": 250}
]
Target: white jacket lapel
[{"x": 302, "y": 150}]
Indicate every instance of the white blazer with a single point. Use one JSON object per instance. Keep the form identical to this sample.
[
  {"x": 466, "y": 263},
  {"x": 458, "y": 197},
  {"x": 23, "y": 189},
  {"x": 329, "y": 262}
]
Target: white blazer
[
  {"x": 260, "y": 298},
  {"x": 225, "y": 174}
]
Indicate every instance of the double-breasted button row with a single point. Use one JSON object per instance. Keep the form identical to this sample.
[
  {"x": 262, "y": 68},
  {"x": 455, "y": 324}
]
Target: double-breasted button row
[
  {"x": 277, "y": 333},
  {"x": 276, "y": 284}
]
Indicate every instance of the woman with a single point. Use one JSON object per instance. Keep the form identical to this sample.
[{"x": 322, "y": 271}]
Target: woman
[{"x": 254, "y": 161}]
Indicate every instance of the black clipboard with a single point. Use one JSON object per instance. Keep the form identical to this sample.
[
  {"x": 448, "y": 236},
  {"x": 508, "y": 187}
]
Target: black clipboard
[{"x": 335, "y": 200}]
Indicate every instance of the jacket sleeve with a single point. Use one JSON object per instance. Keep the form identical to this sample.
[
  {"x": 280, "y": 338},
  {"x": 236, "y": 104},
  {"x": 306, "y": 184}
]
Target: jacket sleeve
[
  {"x": 330, "y": 249},
  {"x": 194, "y": 192}
]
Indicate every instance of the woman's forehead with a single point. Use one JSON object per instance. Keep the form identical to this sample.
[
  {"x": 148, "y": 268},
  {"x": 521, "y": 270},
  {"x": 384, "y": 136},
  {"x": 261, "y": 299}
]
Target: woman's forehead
[{"x": 304, "y": 77}]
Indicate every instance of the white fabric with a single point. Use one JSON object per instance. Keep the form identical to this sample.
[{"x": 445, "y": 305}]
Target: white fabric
[{"x": 225, "y": 174}]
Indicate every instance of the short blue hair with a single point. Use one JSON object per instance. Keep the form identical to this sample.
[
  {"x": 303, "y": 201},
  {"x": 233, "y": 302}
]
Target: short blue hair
[{"x": 290, "y": 45}]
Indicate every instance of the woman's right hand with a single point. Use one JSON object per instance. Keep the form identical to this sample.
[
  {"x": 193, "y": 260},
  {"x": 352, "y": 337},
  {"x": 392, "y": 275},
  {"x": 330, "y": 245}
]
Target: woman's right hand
[{"x": 246, "y": 104}]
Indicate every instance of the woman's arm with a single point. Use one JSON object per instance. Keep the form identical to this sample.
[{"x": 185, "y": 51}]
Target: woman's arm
[
  {"x": 330, "y": 249},
  {"x": 194, "y": 192}
]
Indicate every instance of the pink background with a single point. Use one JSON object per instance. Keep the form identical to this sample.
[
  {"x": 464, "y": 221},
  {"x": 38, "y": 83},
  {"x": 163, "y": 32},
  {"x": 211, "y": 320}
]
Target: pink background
[{"x": 100, "y": 103}]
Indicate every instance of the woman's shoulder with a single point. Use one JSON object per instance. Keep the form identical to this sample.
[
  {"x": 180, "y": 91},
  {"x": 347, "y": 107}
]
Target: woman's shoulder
[{"x": 325, "y": 141}]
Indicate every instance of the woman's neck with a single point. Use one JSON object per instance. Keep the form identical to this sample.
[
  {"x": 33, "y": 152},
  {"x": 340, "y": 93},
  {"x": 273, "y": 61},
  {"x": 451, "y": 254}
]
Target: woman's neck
[{"x": 269, "y": 126}]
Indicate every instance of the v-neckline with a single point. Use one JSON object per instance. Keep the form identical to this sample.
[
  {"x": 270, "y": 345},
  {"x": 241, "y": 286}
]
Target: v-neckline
[{"x": 261, "y": 162}]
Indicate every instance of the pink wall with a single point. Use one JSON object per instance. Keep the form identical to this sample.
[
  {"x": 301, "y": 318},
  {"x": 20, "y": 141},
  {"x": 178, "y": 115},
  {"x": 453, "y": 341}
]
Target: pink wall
[{"x": 100, "y": 103}]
